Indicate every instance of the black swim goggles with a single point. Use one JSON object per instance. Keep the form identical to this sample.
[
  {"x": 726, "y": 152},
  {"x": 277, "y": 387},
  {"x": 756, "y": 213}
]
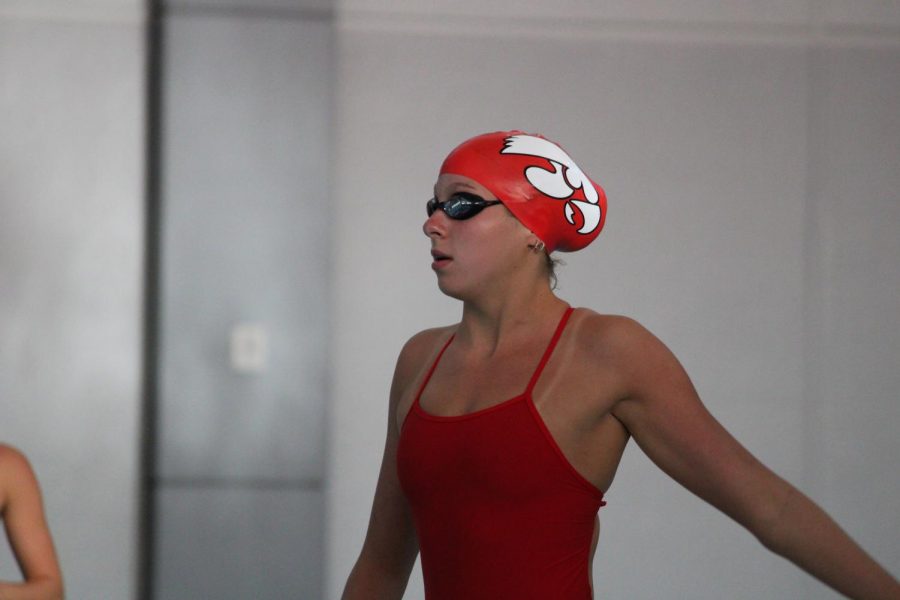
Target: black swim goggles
[{"x": 460, "y": 206}]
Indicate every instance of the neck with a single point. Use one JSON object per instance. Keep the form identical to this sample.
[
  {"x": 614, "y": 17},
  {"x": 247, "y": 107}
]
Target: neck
[{"x": 488, "y": 322}]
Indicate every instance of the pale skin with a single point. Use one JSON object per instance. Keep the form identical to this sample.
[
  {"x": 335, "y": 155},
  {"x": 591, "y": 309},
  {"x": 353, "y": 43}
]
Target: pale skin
[
  {"x": 608, "y": 380},
  {"x": 21, "y": 508}
]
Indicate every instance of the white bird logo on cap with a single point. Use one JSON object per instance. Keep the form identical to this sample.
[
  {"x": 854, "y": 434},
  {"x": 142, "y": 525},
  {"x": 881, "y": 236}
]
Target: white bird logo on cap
[{"x": 560, "y": 183}]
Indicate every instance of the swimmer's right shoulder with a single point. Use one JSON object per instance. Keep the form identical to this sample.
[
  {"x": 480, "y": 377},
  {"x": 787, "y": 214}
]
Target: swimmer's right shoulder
[
  {"x": 420, "y": 350},
  {"x": 14, "y": 469},
  {"x": 427, "y": 338},
  {"x": 9, "y": 454}
]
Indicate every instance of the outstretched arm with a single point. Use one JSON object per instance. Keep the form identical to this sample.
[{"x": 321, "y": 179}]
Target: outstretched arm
[
  {"x": 668, "y": 421},
  {"x": 26, "y": 528}
]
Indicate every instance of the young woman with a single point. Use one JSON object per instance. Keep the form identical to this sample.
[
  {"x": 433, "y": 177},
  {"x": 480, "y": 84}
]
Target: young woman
[
  {"x": 506, "y": 428},
  {"x": 26, "y": 528}
]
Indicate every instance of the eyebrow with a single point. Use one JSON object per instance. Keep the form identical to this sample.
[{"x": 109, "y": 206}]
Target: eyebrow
[{"x": 458, "y": 185}]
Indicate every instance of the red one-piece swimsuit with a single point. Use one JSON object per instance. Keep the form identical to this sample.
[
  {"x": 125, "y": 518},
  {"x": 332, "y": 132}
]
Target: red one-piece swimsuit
[{"x": 499, "y": 511}]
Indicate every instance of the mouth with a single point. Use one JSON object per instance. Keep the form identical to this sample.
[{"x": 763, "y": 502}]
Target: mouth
[{"x": 440, "y": 259}]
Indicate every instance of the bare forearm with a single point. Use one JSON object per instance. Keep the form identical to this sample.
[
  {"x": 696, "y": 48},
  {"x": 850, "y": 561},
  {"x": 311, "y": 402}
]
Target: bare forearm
[
  {"x": 37, "y": 589},
  {"x": 804, "y": 534}
]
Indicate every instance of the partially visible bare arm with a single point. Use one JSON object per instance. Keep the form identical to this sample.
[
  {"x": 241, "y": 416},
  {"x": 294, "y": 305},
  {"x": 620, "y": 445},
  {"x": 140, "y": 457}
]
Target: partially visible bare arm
[
  {"x": 668, "y": 421},
  {"x": 26, "y": 528},
  {"x": 391, "y": 546}
]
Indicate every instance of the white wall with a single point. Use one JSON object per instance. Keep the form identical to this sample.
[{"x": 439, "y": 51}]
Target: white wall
[
  {"x": 750, "y": 159},
  {"x": 71, "y": 240}
]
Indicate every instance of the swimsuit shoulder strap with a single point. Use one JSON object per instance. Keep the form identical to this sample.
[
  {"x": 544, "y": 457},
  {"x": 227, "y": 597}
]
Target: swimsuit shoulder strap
[
  {"x": 433, "y": 367},
  {"x": 549, "y": 350}
]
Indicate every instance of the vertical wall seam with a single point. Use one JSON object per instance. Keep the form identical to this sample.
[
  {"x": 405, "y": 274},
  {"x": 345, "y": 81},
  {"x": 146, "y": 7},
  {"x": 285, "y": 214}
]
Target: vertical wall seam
[{"x": 152, "y": 214}]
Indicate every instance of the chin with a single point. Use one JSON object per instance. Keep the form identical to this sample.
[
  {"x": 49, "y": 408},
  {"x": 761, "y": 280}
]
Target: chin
[
  {"x": 450, "y": 291},
  {"x": 454, "y": 291}
]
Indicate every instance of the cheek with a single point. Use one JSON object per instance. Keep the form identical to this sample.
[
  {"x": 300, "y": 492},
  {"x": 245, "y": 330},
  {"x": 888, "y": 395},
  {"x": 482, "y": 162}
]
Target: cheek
[
  {"x": 489, "y": 244},
  {"x": 496, "y": 254}
]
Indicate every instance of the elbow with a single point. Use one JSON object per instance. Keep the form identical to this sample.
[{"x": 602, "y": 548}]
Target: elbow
[
  {"x": 765, "y": 529},
  {"x": 770, "y": 540},
  {"x": 50, "y": 587},
  {"x": 35, "y": 587},
  {"x": 770, "y": 525}
]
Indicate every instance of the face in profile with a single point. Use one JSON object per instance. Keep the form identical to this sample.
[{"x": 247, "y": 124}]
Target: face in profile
[{"x": 482, "y": 245}]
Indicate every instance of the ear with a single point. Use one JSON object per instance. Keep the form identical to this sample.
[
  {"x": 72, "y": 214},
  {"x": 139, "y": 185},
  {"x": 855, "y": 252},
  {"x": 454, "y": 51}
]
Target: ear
[{"x": 534, "y": 243}]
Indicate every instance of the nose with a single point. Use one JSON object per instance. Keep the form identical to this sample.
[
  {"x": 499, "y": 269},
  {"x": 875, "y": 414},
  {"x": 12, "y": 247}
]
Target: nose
[{"x": 435, "y": 225}]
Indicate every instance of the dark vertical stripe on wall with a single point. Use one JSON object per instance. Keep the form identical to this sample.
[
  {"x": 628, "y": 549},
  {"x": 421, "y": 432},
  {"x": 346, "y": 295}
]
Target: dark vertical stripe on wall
[{"x": 153, "y": 218}]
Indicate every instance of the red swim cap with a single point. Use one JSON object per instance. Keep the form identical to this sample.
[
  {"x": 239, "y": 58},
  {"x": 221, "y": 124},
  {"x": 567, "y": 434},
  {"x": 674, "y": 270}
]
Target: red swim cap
[{"x": 538, "y": 182}]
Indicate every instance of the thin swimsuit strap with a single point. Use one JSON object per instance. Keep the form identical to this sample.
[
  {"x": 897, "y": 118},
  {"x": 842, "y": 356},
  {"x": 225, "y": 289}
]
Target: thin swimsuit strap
[
  {"x": 549, "y": 350},
  {"x": 537, "y": 371},
  {"x": 433, "y": 367}
]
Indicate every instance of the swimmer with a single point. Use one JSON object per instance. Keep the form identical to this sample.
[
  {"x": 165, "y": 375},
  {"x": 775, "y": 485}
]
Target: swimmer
[{"x": 506, "y": 429}]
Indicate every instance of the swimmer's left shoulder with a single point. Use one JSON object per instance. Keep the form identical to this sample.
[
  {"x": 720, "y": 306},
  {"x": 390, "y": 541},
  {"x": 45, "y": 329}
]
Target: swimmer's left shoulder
[{"x": 606, "y": 334}]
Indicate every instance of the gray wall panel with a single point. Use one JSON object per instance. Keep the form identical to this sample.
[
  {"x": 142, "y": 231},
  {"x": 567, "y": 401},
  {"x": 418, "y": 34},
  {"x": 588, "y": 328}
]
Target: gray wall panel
[
  {"x": 245, "y": 222},
  {"x": 241, "y": 543}
]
